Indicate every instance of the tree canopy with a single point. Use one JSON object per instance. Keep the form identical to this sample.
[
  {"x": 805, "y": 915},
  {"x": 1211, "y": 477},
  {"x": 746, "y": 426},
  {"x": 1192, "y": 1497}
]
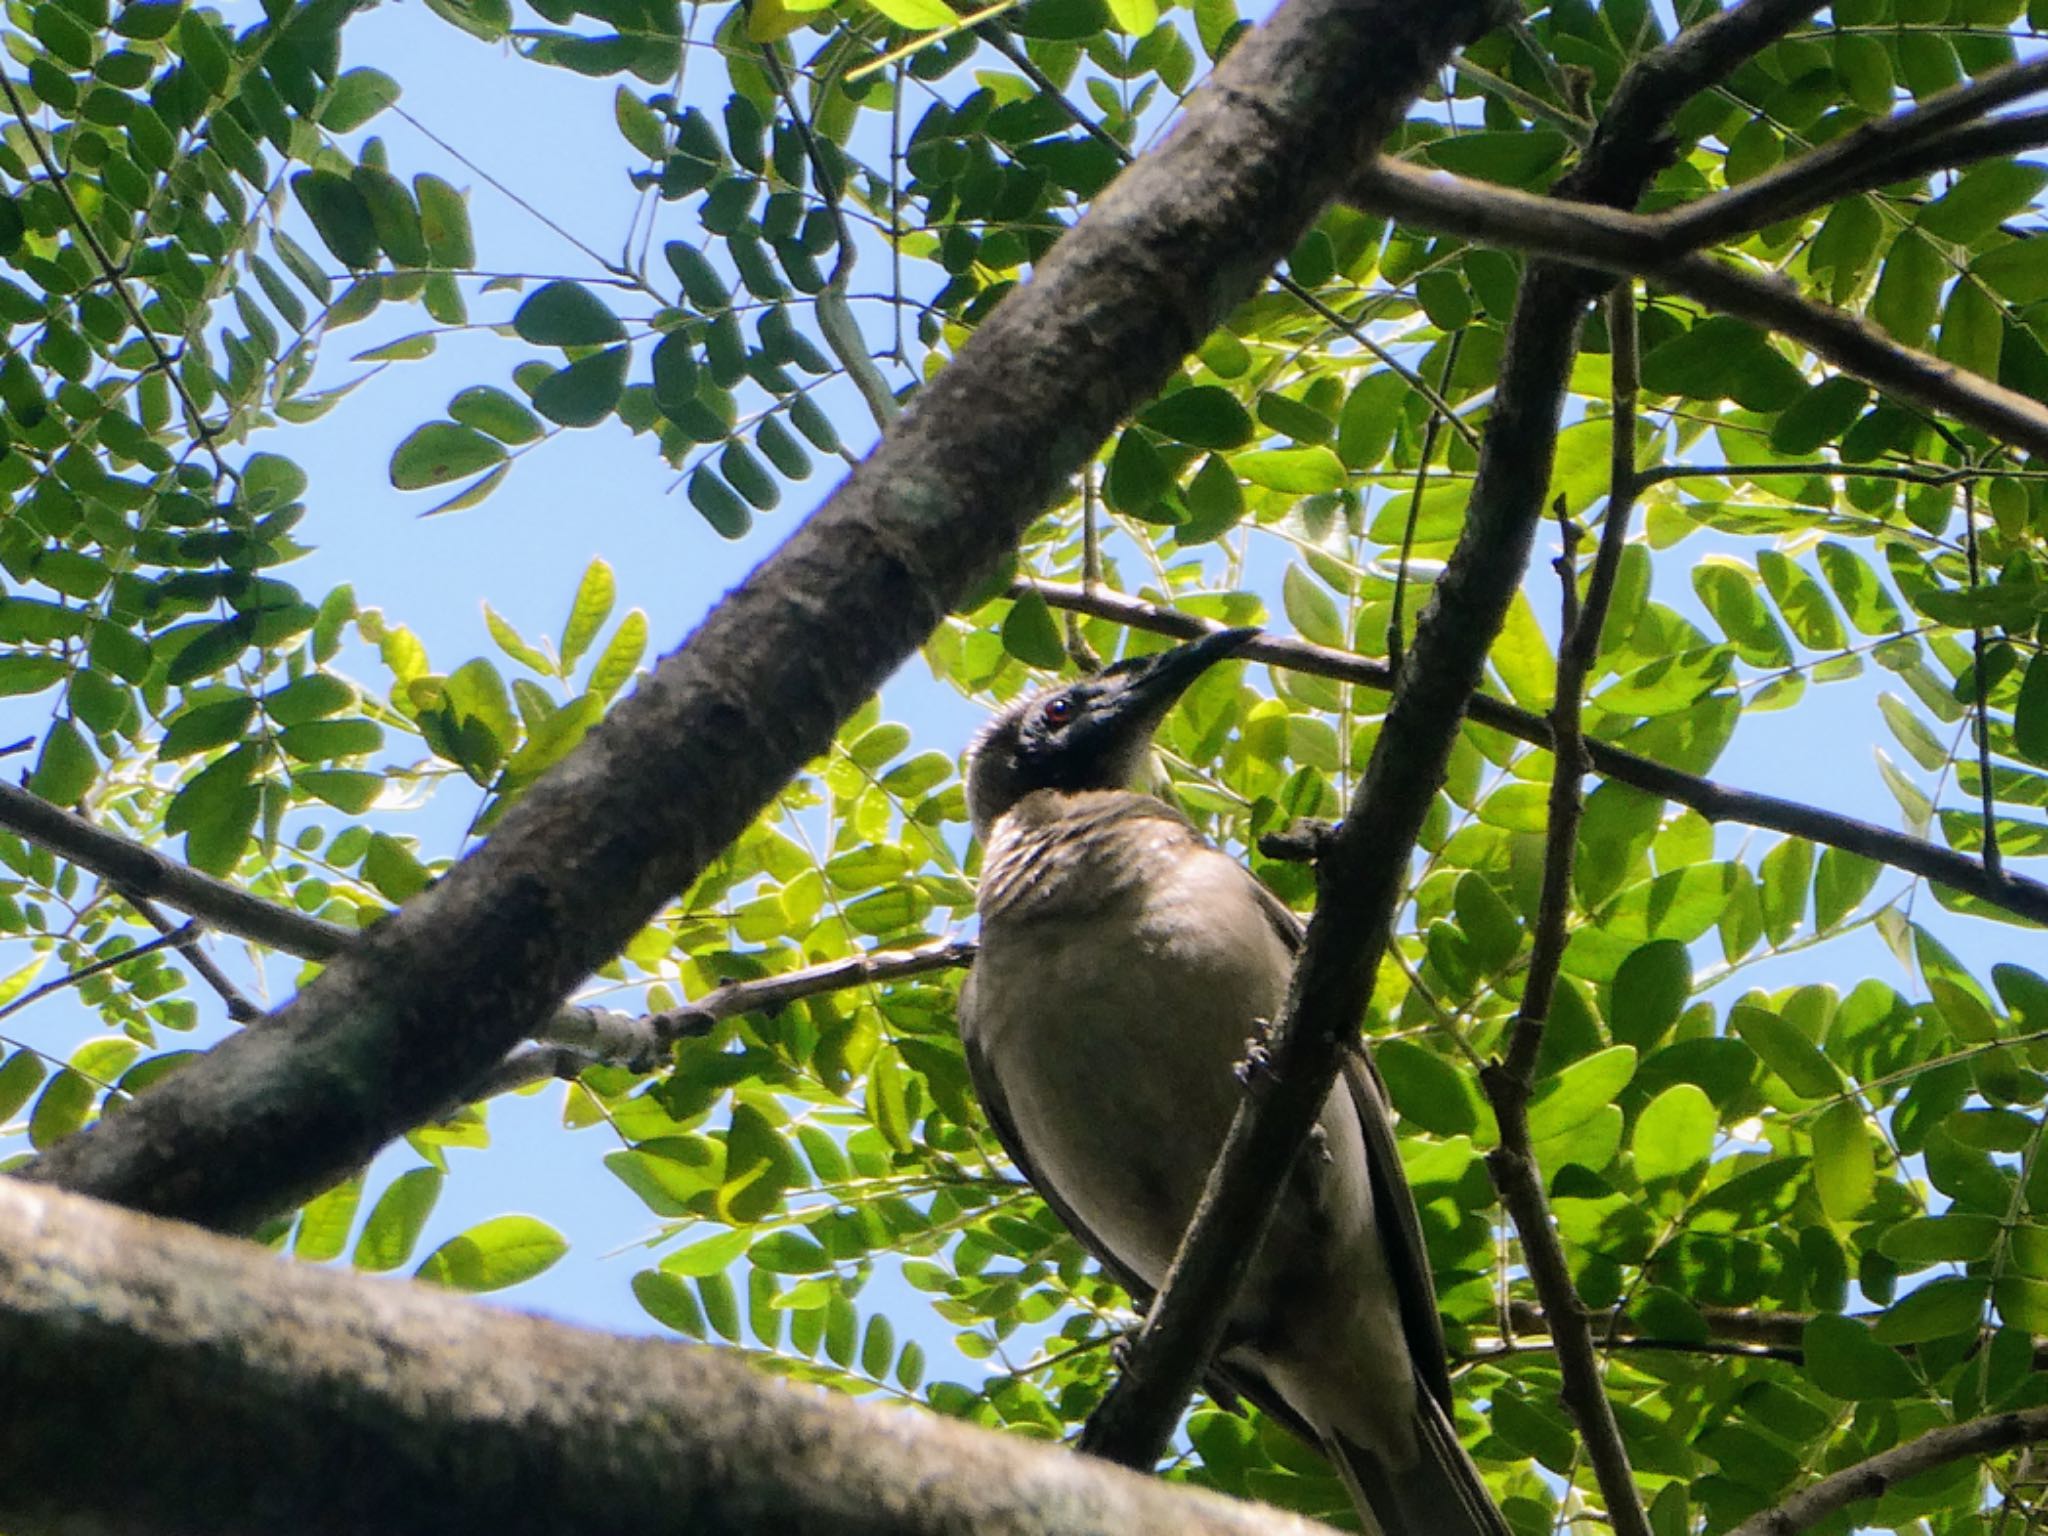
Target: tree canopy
[{"x": 1737, "y": 318}]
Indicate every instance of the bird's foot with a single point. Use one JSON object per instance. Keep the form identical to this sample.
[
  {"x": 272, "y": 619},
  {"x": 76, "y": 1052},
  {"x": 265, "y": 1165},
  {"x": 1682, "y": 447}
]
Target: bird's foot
[
  {"x": 1255, "y": 1072},
  {"x": 1319, "y": 1144}
]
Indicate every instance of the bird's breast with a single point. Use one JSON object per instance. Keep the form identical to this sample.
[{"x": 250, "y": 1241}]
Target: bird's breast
[{"x": 1113, "y": 1005}]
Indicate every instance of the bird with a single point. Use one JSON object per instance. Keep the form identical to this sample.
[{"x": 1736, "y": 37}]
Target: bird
[{"x": 1124, "y": 963}]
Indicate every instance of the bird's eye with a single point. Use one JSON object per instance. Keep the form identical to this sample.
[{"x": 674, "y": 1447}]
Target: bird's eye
[{"x": 1058, "y": 711}]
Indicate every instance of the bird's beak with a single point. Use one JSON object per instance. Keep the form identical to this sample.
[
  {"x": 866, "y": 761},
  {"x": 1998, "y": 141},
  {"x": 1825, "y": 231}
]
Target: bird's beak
[{"x": 1154, "y": 682}]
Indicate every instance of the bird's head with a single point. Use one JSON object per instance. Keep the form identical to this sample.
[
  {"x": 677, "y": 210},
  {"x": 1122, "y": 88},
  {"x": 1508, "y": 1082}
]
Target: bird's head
[{"x": 1092, "y": 734}]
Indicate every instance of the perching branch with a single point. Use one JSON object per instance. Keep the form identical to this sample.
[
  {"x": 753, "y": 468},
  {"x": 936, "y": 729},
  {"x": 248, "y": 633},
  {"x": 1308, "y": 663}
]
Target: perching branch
[
  {"x": 2016, "y": 894},
  {"x": 1511, "y": 1082},
  {"x": 1877, "y": 1476},
  {"x": 433, "y": 997},
  {"x": 1361, "y": 877},
  {"x": 250, "y": 1397}
]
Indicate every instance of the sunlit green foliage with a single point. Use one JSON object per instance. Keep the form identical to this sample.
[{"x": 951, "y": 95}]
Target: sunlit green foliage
[{"x": 1842, "y": 1144}]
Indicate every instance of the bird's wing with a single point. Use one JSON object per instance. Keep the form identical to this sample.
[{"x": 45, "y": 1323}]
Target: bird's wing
[
  {"x": 1224, "y": 1384},
  {"x": 988, "y": 1088},
  {"x": 1393, "y": 1203}
]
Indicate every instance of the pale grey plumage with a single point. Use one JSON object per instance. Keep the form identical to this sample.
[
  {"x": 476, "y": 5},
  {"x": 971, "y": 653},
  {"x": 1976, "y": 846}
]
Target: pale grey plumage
[{"x": 1124, "y": 963}]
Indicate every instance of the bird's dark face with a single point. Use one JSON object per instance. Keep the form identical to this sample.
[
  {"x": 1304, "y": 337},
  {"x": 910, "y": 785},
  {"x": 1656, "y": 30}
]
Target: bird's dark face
[{"x": 1092, "y": 734}]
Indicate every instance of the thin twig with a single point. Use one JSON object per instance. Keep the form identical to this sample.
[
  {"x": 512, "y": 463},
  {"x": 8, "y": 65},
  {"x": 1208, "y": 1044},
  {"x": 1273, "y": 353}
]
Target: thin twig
[
  {"x": 191, "y": 945},
  {"x": 1395, "y": 640},
  {"x": 132, "y": 867},
  {"x": 835, "y": 321},
  {"x": 1980, "y": 707}
]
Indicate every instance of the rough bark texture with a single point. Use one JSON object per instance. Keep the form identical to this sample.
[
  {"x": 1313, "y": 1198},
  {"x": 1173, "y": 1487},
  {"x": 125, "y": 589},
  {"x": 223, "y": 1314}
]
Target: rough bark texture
[
  {"x": 252, "y": 1396},
  {"x": 435, "y": 996}
]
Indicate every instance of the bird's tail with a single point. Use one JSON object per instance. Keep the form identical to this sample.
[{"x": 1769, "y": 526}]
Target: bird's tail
[{"x": 1441, "y": 1495}]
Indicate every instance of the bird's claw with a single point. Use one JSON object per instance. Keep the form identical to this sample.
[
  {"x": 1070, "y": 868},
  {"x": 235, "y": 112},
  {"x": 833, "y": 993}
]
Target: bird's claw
[{"x": 1256, "y": 1072}]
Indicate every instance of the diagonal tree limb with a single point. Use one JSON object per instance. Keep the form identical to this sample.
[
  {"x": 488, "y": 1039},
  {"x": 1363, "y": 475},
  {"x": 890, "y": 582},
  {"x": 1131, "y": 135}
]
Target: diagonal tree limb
[
  {"x": 1361, "y": 878},
  {"x": 1879, "y": 1474},
  {"x": 433, "y": 997},
  {"x": 133, "y": 868},
  {"x": 250, "y": 1397},
  {"x": 1510, "y": 1082},
  {"x": 1621, "y": 243}
]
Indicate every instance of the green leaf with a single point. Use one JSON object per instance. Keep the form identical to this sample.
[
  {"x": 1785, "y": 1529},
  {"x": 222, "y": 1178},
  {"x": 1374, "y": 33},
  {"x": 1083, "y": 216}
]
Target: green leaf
[
  {"x": 595, "y": 595},
  {"x": 759, "y": 1166},
  {"x": 1581, "y": 1091},
  {"x": 1675, "y": 1133},
  {"x": 1428, "y": 1090},
  {"x": 1845, "y": 1360},
  {"x": 1983, "y": 197},
  {"x": 723, "y": 510},
  {"x": 1802, "y": 600},
  {"x": 1206, "y": 416},
  {"x": 1651, "y": 989},
  {"x": 2017, "y": 271},
  {"x": 585, "y": 392},
  {"x": 917, "y": 15},
  {"x": 1786, "y": 1051},
  {"x": 1732, "y": 599},
  {"x": 444, "y": 220},
  {"x": 1940, "y": 1309},
  {"x": 205, "y": 727},
  {"x": 566, "y": 314},
  {"x": 1310, "y": 608},
  {"x": 2030, "y": 711},
  {"x": 1822, "y": 415},
  {"x": 442, "y": 451},
  {"x": 340, "y": 216},
  {"x": 66, "y": 767},
  {"x": 1294, "y": 471},
  {"x": 357, "y": 96},
  {"x": 396, "y": 1220},
  {"x": 495, "y": 412},
  {"x": 621, "y": 656},
  {"x": 60, "y": 1110},
  {"x": 325, "y": 1221},
  {"x": 494, "y": 1254},
  {"x": 1032, "y": 635},
  {"x": 1958, "y": 1237},
  {"x": 1844, "y": 1160},
  {"x": 1908, "y": 288}
]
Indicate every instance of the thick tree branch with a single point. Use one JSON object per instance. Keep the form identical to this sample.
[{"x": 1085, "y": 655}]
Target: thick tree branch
[
  {"x": 2008, "y": 892},
  {"x": 434, "y": 997},
  {"x": 249, "y": 1396},
  {"x": 1361, "y": 877},
  {"x": 1877, "y": 1476}
]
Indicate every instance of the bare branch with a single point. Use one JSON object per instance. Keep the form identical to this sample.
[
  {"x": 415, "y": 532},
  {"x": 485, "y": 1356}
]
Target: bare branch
[
  {"x": 2017, "y": 894},
  {"x": 250, "y": 1397},
  {"x": 192, "y": 945},
  {"x": 434, "y": 997},
  {"x": 131, "y": 867},
  {"x": 1883, "y": 150},
  {"x": 1511, "y": 1082},
  {"x": 1621, "y": 243},
  {"x": 1873, "y": 1478}
]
